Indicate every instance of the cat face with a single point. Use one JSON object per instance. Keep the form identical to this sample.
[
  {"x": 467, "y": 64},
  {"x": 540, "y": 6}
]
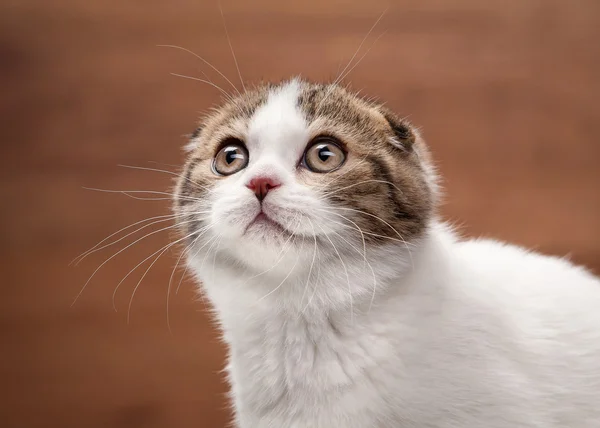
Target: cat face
[{"x": 286, "y": 168}]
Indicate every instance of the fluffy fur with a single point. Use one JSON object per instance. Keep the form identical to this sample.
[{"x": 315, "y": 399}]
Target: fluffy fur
[{"x": 354, "y": 306}]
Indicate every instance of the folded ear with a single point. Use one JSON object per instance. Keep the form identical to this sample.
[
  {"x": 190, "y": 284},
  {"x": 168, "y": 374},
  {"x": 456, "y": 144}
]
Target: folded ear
[
  {"x": 193, "y": 139},
  {"x": 196, "y": 132},
  {"x": 404, "y": 135}
]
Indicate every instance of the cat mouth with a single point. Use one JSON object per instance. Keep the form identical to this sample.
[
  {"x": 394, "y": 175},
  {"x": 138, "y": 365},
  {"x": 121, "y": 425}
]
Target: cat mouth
[{"x": 264, "y": 222}]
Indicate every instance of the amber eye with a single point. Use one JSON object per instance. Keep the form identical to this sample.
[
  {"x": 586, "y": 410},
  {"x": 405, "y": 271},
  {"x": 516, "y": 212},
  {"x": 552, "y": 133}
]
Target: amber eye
[
  {"x": 324, "y": 154},
  {"x": 231, "y": 158}
]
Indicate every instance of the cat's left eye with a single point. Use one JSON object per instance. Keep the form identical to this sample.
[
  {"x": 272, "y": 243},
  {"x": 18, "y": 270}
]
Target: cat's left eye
[
  {"x": 232, "y": 158},
  {"x": 324, "y": 154}
]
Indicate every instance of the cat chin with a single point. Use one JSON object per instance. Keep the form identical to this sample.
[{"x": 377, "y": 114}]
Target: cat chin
[
  {"x": 263, "y": 249},
  {"x": 264, "y": 228}
]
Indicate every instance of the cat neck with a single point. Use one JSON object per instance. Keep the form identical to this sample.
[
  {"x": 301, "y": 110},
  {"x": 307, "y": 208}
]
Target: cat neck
[
  {"x": 275, "y": 351},
  {"x": 392, "y": 274}
]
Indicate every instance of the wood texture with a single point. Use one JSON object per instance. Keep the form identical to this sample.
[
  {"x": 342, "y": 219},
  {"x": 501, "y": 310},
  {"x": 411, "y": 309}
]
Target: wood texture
[{"x": 506, "y": 93}]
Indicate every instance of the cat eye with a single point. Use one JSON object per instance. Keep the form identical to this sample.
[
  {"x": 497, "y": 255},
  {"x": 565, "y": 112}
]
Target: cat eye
[
  {"x": 233, "y": 157},
  {"x": 324, "y": 154}
]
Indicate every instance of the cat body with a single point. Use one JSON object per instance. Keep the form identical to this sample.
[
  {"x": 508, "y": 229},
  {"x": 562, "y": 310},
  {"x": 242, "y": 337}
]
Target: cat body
[{"x": 346, "y": 302}]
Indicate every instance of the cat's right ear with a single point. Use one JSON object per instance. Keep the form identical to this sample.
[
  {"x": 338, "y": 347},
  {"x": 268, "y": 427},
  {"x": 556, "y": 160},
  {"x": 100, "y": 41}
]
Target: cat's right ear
[
  {"x": 404, "y": 134},
  {"x": 193, "y": 140}
]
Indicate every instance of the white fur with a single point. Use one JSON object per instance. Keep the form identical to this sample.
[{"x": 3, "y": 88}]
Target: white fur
[{"x": 435, "y": 333}]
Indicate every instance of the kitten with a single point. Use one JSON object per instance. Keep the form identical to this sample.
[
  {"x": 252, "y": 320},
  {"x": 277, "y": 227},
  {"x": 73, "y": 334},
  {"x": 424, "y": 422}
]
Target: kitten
[{"x": 310, "y": 217}]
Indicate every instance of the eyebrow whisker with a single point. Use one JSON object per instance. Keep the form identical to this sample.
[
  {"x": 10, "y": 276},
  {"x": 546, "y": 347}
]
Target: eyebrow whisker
[{"x": 204, "y": 61}]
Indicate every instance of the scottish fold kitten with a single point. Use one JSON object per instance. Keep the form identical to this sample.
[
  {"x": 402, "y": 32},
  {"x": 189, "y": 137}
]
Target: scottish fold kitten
[{"x": 310, "y": 217}]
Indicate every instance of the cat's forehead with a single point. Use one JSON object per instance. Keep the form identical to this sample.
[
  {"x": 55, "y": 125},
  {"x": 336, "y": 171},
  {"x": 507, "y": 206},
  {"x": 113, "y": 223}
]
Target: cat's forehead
[
  {"x": 289, "y": 114},
  {"x": 279, "y": 121}
]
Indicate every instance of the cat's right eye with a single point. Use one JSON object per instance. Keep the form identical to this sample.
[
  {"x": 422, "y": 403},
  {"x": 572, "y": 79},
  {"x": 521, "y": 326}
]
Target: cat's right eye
[
  {"x": 324, "y": 154},
  {"x": 233, "y": 157}
]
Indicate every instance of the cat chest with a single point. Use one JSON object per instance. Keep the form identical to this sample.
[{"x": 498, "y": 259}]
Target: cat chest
[{"x": 303, "y": 367}]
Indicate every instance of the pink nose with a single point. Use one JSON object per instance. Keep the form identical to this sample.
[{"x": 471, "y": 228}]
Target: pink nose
[{"x": 261, "y": 186}]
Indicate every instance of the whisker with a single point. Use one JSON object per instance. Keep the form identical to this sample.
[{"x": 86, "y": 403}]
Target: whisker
[
  {"x": 183, "y": 253},
  {"x": 120, "y": 251},
  {"x": 164, "y": 249},
  {"x": 123, "y": 237},
  {"x": 215, "y": 255},
  {"x": 363, "y": 182},
  {"x": 130, "y": 193},
  {"x": 316, "y": 285},
  {"x": 331, "y": 211},
  {"x": 310, "y": 269},
  {"x": 346, "y": 171},
  {"x": 370, "y": 215},
  {"x": 85, "y": 253},
  {"x": 230, "y": 46},
  {"x": 138, "y": 198},
  {"x": 366, "y": 262},
  {"x": 208, "y": 82},
  {"x": 332, "y": 86},
  {"x": 406, "y": 244},
  {"x": 362, "y": 235},
  {"x": 195, "y": 254},
  {"x": 165, "y": 164},
  {"x": 313, "y": 259},
  {"x": 204, "y": 61},
  {"x": 361, "y": 44},
  {"x": 289, "y": 273},
  {"x": 346, "y": 272},
  {"x": 181, "y": 279},
  {"x": 215, "y": 241},
  {"x": 281, "y": 256},
  {"x": 201, "y": 231},
  {"x": 167, "y": 172},
  {"x": 342, "y": 77},
  {"x": 167, "y": 218}
]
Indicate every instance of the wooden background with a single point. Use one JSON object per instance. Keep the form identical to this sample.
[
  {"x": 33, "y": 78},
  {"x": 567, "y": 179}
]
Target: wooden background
[{"x": 505, "y": 91}]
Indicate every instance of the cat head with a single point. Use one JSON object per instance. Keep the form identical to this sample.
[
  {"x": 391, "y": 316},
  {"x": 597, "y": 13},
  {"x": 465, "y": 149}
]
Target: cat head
[{"x": 284, "y": 170}]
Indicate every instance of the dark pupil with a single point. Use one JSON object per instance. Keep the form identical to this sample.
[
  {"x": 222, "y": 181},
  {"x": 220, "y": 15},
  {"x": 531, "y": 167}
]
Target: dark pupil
[
  {"x": 325, "y": 154},
  {"x": 231, "y": 155}
]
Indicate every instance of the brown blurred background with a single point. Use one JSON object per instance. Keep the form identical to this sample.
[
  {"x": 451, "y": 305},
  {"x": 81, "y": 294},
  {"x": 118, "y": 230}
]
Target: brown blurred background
[{"x": 506, "y": 93}]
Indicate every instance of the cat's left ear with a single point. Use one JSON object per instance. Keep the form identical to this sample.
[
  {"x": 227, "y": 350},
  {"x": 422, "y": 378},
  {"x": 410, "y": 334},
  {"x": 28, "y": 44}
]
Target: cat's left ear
[
  {"x": 404, "y": 135},
  {"x": 193, "y": 139}
]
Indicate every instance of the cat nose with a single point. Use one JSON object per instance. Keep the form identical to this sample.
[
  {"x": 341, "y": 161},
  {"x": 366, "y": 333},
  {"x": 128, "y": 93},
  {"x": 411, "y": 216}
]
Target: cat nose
[{"x": 262, "y": 185}]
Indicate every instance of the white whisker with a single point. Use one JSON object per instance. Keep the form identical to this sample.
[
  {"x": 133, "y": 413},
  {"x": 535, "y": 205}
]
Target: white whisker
[
  {"x": 194, "y": 256},
  {"x": 315, "y": 285},
  {"x": 120, "y": 251},
  {"x": 208, "y": 82},
  {"x": 131, "y": 193},
  {"x": 165, "y": 164},
  {"x": 362, "y": 235},
  {"x": 342, "y": 77},
  {"x": 230, "y": 46},
  {"x": 406, "y": 244},
  {"x": 289, "y": 273},
  {"x": 333, "y": 85},
  {"x": 204, "y": 61},
  {"x": 167, "y": 172},
  {"x": 215, "y": 241},
  {"x": 94, "y": 250},
  {"x": 311, "y": 264},
  {"x": 366, "y": 263},
  {"x": 346, "y": 272},
  {"x": 281, "y": 256},
  {"x": 183, "y": 253},
  {"x": 363, "y": 182},
  {"x": 346, "y": 171},
  {"x": 85, "y": 253},
  {"x": 164, "y": 249},
  {"x": 361, "y": 44}
]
